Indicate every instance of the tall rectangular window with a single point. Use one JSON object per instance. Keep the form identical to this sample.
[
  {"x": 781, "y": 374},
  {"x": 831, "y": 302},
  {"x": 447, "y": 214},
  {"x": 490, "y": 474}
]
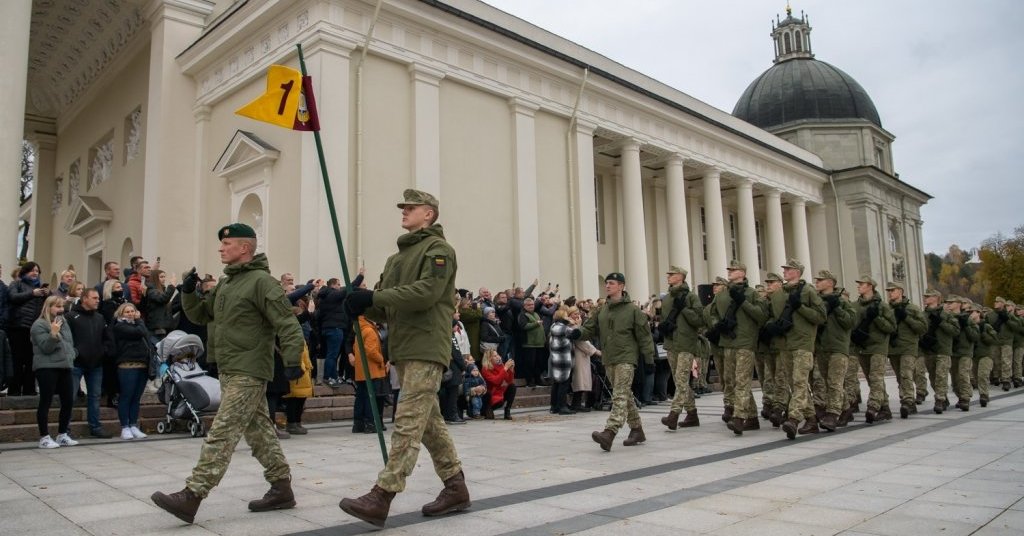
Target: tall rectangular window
[
  {"x": 703, "y": 234},
  {"x": 732, "y": 236},
  {"x": 758, "y": 233},
  {"x": 599, "y": 209}
]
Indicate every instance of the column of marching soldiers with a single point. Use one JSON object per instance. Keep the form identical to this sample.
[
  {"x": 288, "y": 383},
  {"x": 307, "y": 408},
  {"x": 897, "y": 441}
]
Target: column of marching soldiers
[{"x": 807, "y": 342}]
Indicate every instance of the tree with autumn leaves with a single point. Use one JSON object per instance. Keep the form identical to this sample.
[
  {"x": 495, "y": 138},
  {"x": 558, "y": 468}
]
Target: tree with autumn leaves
[
  {"x": 1002, "y": 266},
  {"x": 955, "y": 273}
]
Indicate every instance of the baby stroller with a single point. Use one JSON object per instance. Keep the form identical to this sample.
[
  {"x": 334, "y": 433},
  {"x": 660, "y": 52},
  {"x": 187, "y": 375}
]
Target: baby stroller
[
  {"x": 602, "y": 391},
  {"x": 187, "y": 391}
]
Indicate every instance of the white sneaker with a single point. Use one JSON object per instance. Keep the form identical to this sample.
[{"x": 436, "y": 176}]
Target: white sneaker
[
  {"x": 136, "y": 433},
  {"x": 65, "y": 440},
  {"x": 46, "y": 442},
  {"x": 126, "y": 433}
]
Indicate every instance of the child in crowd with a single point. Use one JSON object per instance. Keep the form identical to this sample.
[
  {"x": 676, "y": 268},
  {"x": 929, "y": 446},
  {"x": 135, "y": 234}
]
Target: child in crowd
[{"x": 475, "y": 388}]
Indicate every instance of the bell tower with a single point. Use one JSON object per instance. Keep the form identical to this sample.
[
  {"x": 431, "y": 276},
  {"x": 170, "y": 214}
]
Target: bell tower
[{"x": 792, "y": 36}]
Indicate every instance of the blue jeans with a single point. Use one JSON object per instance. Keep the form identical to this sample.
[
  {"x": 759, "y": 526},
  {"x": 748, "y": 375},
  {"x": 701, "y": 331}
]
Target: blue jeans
[
  {"x": 133, "y": 383},
  {"x": 332, "y": 347},
  {"x": 476, "y": 405},
  {"x": 93, "y": 385}
]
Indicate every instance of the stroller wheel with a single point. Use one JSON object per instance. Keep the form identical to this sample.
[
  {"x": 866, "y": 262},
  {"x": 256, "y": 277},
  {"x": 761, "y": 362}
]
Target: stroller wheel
[
  {"x": 163, "y": 427},
  {"x": 196, "y": 429}
]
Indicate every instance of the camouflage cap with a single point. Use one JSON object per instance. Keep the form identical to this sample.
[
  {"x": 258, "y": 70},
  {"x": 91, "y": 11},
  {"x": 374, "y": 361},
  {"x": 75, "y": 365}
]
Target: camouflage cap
[
  {"x": 236, "y": 230},
  {"x": 952, "y": 298},
  {"x": 736, "y": 265},
  {"x": 418, "y": 197},
  {"x": 1000, "y": 299},
  {"x": 795, "y": 264},
  {"x": 866, "y": 278},
  {"x": 966, "y": 301},
  {"x": 673, "y": 269},
  {"x": 720, "y": 281},
  {"x": 772, "y": 276},
  {"x": 616, "y": 276},
  {"x": 893, "y": 286},
  {"x": 760, "y": 288},
  {"x": 825, "y": 274},
  {"x": 932, "y": 293},
  {"x": 1010, "y": 304}
]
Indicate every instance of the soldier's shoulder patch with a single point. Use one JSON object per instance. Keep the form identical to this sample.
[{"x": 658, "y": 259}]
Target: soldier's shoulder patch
[
  {"x": 440, "y": 261},
  {"x": 439, "y": 265}
]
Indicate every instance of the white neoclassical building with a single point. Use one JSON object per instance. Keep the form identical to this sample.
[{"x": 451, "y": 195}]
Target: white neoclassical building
[{"x": 550, "y": 160}]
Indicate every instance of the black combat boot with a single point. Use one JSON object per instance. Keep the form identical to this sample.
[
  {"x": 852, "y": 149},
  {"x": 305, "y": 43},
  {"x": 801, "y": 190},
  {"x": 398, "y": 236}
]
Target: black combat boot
[
  {"x": 278, "y": 497},
  {"x": 737, "y": 424},
  {"x": 372, "y": 508},
  {"x": 920, "y": 398},
  {"x": 870, "y": 415},
  {"x": 453, "y": 498},
  {"x": 605, "y": 439},
  {"x": 182, "y": 504},
  {"x": 635, "y": 437},
  {"x": 810, "y": 427},
  {"x": 671, "y": 420},
  {"x": 984, "y": 401},
  {"x": 939, "y": 407},
  {"x": 691, "y": 420},
  {"x": 790, "y": 427},
  {"x": 963, "y": 405},
  {"x": 727, "y": 414},
  {"x": 829, "y": 422}
]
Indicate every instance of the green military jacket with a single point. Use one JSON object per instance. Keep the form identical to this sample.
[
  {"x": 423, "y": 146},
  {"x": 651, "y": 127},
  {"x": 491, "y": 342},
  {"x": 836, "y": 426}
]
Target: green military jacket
[
  {"x": 904, "y": 341},
  {"x": 987, "y": 338},
  {"x": 529, "y": 323},
  {"x": 1006, "y": 326},
  {"x": 963, "y": 344},
  {"x": 878, "y": 330},
  {"x": 750, "y": 316},
  {"x": 415, "y": 297},
  {"x": 806, "y": 318},
  {"x": 946, "y": 329},
  {"x": 688, "y": 321},
  {"x": 1018, "y": 337},
  {"x": 834, "y": 337},
  {"x": 250, "y": 309},
  {"x": 623, "y": 331},
  {"x": 470, "y": 318}
]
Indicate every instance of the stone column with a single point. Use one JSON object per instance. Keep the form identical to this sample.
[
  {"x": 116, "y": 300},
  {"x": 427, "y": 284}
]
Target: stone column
[
  {"x": 678, "y": 233},
  {"x": 524, "y": 172},
  {"x": 42, "y": 221},
  {"x": 585, "y": 222},
  {"x": 328, "y": 63},
  {"x": 714, "y": 225},
  {"x": 801, "y": 243},
  {"x": 201, "y": 114},
  {"x": 426, "y": 128},
  {"x": 699, "y": 273},
  {"x": 747, "y": 229},
  {"x": 819, "y": 240},
  {"x": 634, "y": 237},
  {"x": 14, "y": 38},
  {"x": 774, "y": 235},
  {"x": 168, "y": 229}
]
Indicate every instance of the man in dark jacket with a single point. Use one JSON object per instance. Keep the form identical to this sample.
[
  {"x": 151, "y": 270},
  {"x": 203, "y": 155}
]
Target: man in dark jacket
[
  {"x": 334, "y": 326},
  {"x": 87, "y": 331}
]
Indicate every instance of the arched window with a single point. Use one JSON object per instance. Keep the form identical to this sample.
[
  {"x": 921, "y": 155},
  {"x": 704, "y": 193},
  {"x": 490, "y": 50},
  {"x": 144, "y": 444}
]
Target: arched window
[
  {"x": 799, "y": 41},
  {"x": 894, "y": 239},
  {"x": 785, "y": 40}
]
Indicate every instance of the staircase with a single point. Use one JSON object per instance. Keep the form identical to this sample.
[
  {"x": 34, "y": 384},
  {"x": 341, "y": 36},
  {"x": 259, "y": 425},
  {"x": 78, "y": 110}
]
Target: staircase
[{"x": 18, "y": 413}]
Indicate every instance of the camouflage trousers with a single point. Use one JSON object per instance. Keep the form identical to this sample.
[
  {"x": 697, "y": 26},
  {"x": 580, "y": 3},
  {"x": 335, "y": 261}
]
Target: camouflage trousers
[
  {"x": 702, "y": 378},
  {"x": 984, "y": 369},
  {"x": 1005, "y": 363},
  {"x": 832, "y": 371},
  {"x": 681, "y": 364},
  {"x": 904, "y": 366},
  {"x": 938, "y": 372},
  {"x": 800, "y": 404},
  {"x": 782, "y": 387},
  {"x": 960, "y": 371},
  {"x": 851, "y": 383},
  {"x": 764, "y": 365},
  {"x": 873, "y": 366},
  {"x": 623, "y": 406},
  {"x": 243, "y": 412},
  {"x": 738, "y": 365},
  {"x": 418, "y": 420},
  {"x": 1018, "y": 362},
  {"x": 920, "y": 379}
]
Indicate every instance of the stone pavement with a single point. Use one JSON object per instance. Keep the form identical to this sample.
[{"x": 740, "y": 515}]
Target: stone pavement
[{"x": 949, "y": 474}]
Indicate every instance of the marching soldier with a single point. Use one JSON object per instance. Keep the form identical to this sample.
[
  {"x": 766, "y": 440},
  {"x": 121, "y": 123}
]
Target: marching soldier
[
  {"x": 870, "y": 338},
  {"x": 962, "y": 358},
  {"x": 1005, "y": 327},
  {"x": 679, "y": 327},
  {"x": 987, "y": 339},
  {"x": 764, "y": 363},
  {"x": 1018, "y": 347},
  {"x": 782, "y": 368},
  {"x": 903, "y": 345},
  {"x": 937, "y": 346},
  {"x": 832, "y": 349}
]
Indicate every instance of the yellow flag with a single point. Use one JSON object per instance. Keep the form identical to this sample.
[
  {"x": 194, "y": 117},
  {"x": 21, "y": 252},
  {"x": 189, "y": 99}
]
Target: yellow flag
[{"x": 280, "y": 104}]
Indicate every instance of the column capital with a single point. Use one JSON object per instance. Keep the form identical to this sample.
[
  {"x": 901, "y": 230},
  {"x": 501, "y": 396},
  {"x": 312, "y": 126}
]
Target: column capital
[
  {"x": 44, "y": 141},
  {"x": 424, "y": 74},
  {"x": 743, "y": 183},
  {"x": 712, "y": 171},
  {"x": 630, "y": 144},
  {"x": 585, "y": 127},
  {"x": 189, "y": 12},
  {"x": 675, "y": 159},
  {"x": 798, "y": 201},
  {"x": 773, "y": 193},
  {"x": 202, "y": 113},
  {"x": 329, "y": 41},
  {"x": 522, "y": 106}
]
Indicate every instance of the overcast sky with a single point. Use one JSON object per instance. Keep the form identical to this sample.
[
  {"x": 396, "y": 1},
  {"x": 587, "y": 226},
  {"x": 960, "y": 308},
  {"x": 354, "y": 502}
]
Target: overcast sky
[{"x": 945, "y": 76}]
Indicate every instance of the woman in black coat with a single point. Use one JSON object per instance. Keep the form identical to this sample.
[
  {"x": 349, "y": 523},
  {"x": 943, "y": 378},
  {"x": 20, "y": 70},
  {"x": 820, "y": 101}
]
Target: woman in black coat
[{"x": 25, "y": 302}]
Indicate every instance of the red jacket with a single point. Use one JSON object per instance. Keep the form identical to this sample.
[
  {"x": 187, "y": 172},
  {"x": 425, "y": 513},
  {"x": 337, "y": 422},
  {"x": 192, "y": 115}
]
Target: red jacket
[
  {"x": 136, "y": 288},
  {"x": 498, "y": 379}
]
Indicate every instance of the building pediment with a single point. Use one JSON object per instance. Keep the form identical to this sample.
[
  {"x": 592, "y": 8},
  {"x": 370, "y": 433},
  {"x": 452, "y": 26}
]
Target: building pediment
[
  {"x": 86, "y": 215},
  {"x": 244, "y": 152}
]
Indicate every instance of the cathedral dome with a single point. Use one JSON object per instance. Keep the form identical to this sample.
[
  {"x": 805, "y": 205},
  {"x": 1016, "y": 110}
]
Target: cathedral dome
[
  {"x": 804, "y": 89},
  {"x": 799, "y": 87}
]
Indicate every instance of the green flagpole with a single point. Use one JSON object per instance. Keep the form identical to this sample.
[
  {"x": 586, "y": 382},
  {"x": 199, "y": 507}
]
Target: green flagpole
[{"x": 348, "y": 282}]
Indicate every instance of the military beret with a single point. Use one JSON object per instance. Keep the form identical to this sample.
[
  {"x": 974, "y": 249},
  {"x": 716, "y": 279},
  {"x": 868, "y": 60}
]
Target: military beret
[
  {"x": 772, "y": 276},
  {"x": 825, "y": 274},
  {"x": 616, "y": 276},
  {"x": 677, "y": 270},
  {"x": 793, "y": 263},
  {"x": 236, "y": 230},
  {"x": 417, "y": 197},
  {"x": 736, "y": 265},
  {"x": 893, "y": 286},
  {"x": 932, "y": 293},
  {"x": 721, "y": 281},
  {"x": 866, "y": 278}
]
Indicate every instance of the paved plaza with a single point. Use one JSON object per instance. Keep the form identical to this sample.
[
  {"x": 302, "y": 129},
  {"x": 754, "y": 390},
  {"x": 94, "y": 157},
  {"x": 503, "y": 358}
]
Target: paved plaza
[{"x": 950, "y": 474}]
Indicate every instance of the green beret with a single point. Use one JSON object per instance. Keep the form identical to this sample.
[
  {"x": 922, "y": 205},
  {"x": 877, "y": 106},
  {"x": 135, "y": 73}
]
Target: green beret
[
  {"x": 236, "y": 230},
  {"x": 616, "y": 276}
]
